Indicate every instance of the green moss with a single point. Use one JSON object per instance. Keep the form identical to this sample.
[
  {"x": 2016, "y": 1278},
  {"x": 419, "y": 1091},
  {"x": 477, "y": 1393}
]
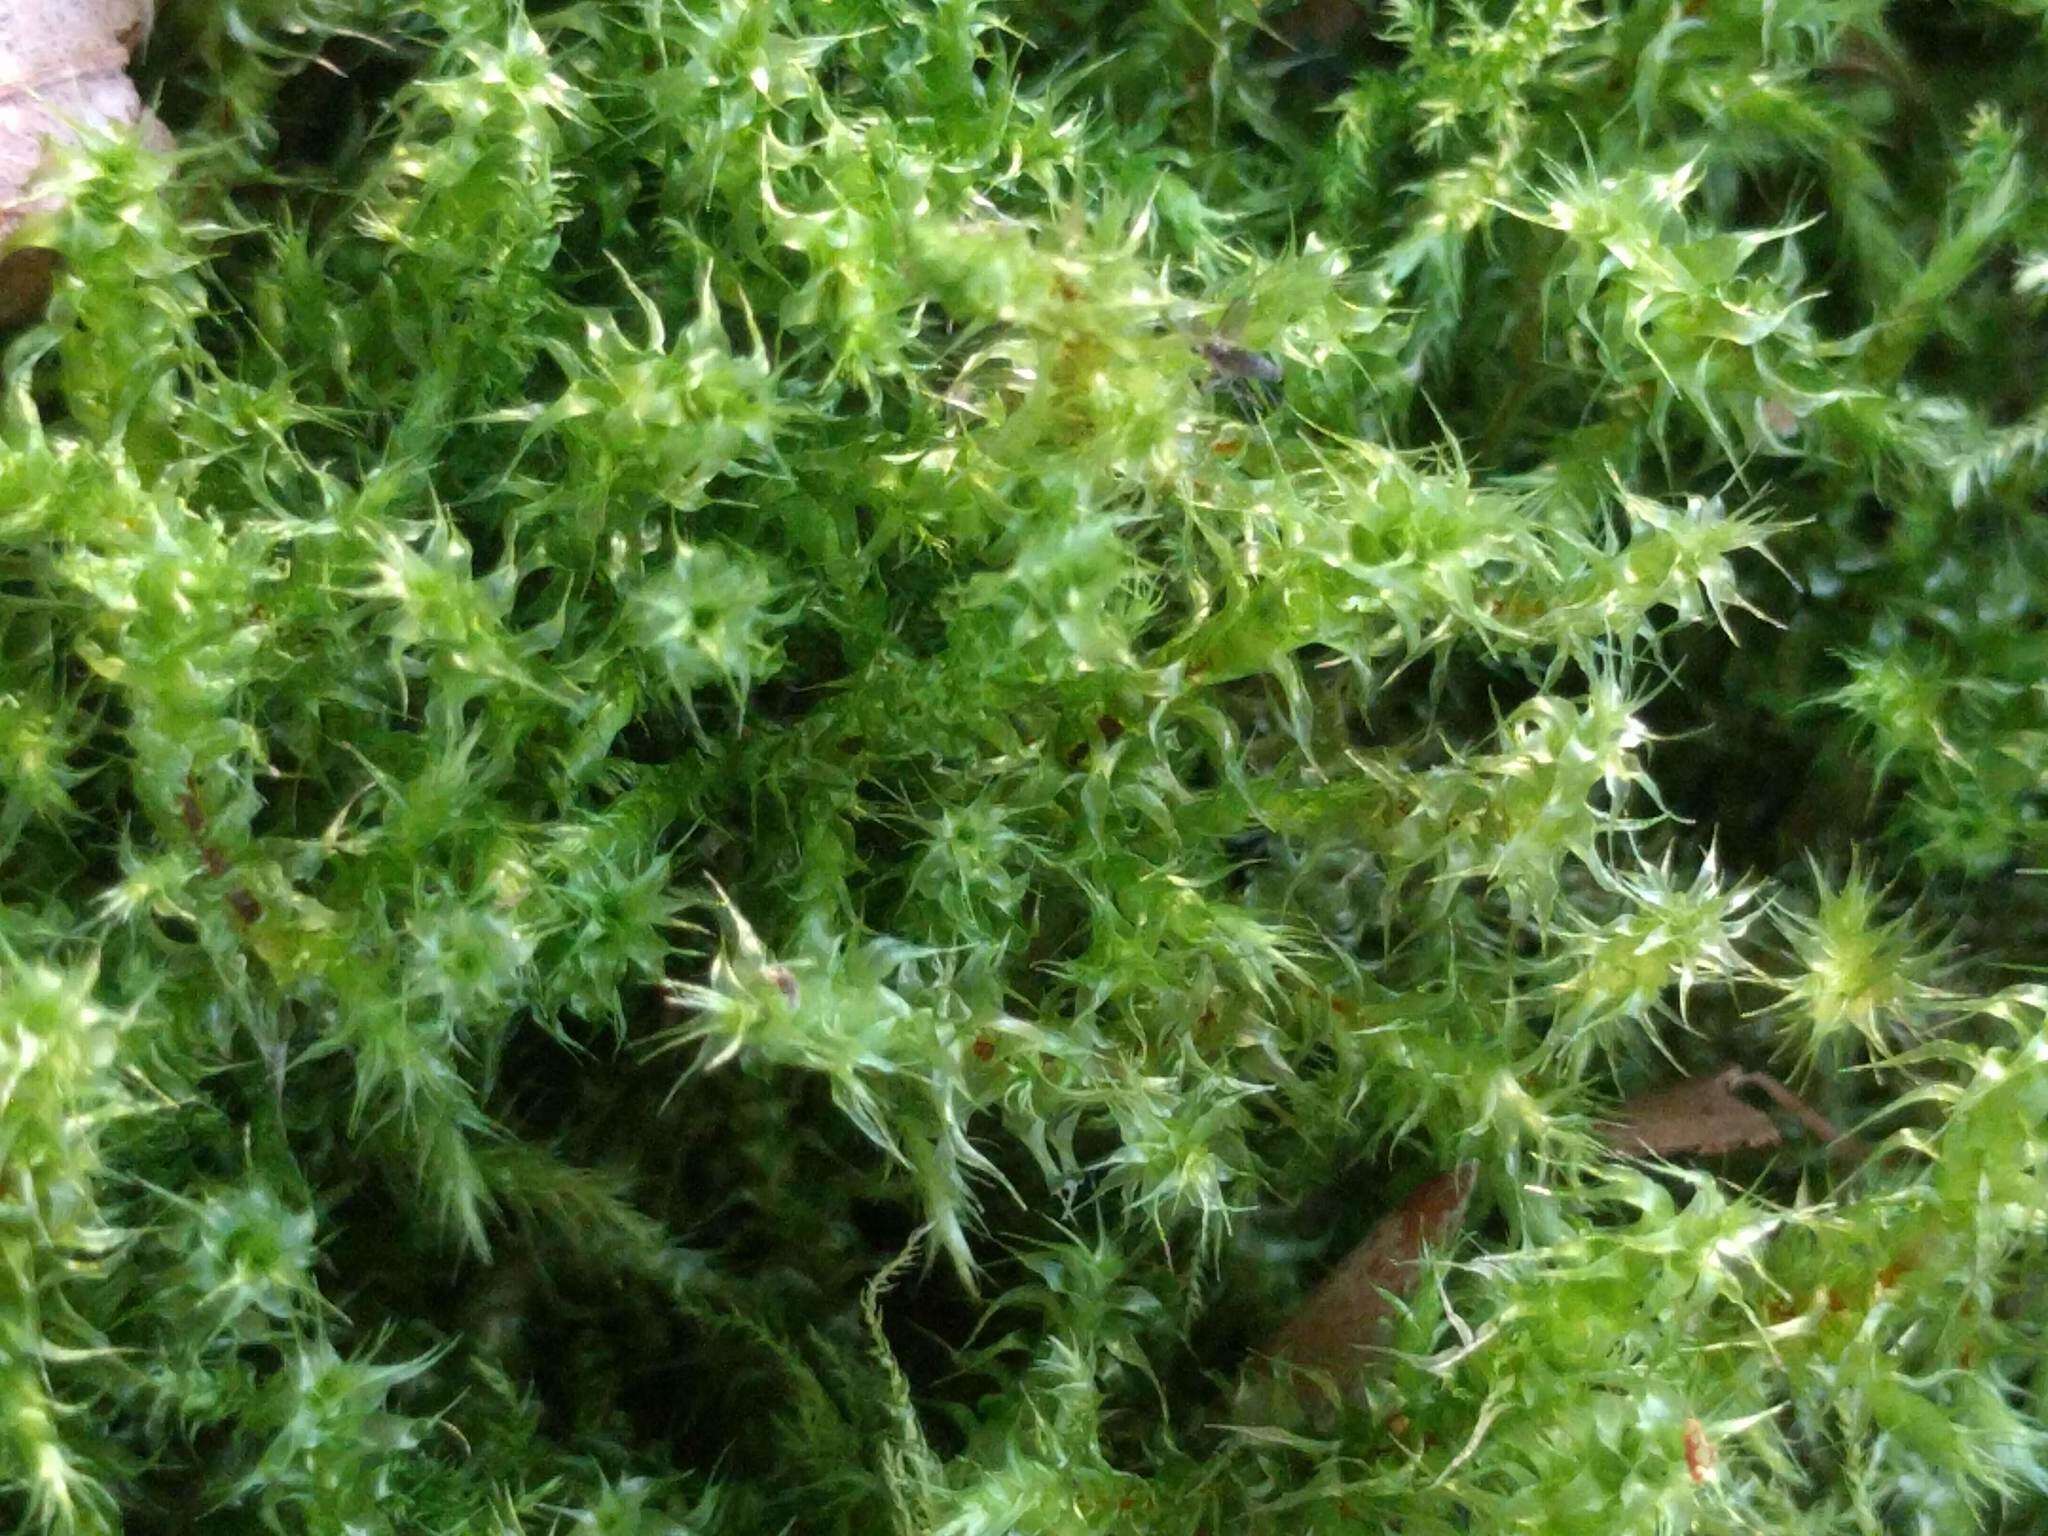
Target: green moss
[{"x": 762, "y": 760}]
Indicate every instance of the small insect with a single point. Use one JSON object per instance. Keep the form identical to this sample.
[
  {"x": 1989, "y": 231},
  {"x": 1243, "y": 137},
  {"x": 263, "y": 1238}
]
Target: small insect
[
  {"x": 1700, "y": 1454},
  {"x": 1230, "y": 363}
]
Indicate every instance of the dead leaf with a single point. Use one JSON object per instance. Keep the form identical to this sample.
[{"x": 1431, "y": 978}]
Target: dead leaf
[
  {"x": 1340, "y": 1328},
  {"x": 63, "y": 67},
  {"x": 26, "y": 277},
  {"x": 1351, "y": 1313},
  {"x": 1323, "y": 24},
  {"x": 1706, "y": 1116}
]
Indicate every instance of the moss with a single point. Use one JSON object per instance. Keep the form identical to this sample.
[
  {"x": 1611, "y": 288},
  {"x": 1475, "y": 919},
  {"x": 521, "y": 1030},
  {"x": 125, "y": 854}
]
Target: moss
[{"x": 763, "y": 758}]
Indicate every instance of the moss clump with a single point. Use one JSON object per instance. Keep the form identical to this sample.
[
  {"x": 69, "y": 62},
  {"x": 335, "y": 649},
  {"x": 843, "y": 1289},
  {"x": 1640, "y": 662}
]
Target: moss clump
[{"x": 762, "y": 760}]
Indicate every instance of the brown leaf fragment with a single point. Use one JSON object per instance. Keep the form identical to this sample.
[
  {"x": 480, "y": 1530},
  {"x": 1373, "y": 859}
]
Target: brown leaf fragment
[
  {"x": 1707, "y": 1116},
  {"x": 1322, "y": 24},
  {"x": 1339, "y": 1330},
  {"x": 26, "y": 279},
  {"x": 1818, "y": 1125},
  {"x": 1696, "y": 1114}
]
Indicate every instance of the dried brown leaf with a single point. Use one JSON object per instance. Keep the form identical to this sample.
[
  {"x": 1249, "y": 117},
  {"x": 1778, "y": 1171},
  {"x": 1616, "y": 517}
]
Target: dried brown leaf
[
  {"x": 1322, "y": 24},
  {"x": 25, "y": 279},
  {"x": 1339, "y": 1332},
  {"x": 1341, "y": 1327},
  {"x": 1707, "y": 1116}
]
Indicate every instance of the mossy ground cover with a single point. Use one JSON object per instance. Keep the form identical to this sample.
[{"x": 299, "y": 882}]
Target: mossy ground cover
[{"x": 763, "y": 761}]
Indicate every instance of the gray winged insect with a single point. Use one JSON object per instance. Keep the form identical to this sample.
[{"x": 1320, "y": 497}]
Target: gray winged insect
[
  {"x": 1230, "y": 363},
  {"x": 1249, "y": 380}
]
